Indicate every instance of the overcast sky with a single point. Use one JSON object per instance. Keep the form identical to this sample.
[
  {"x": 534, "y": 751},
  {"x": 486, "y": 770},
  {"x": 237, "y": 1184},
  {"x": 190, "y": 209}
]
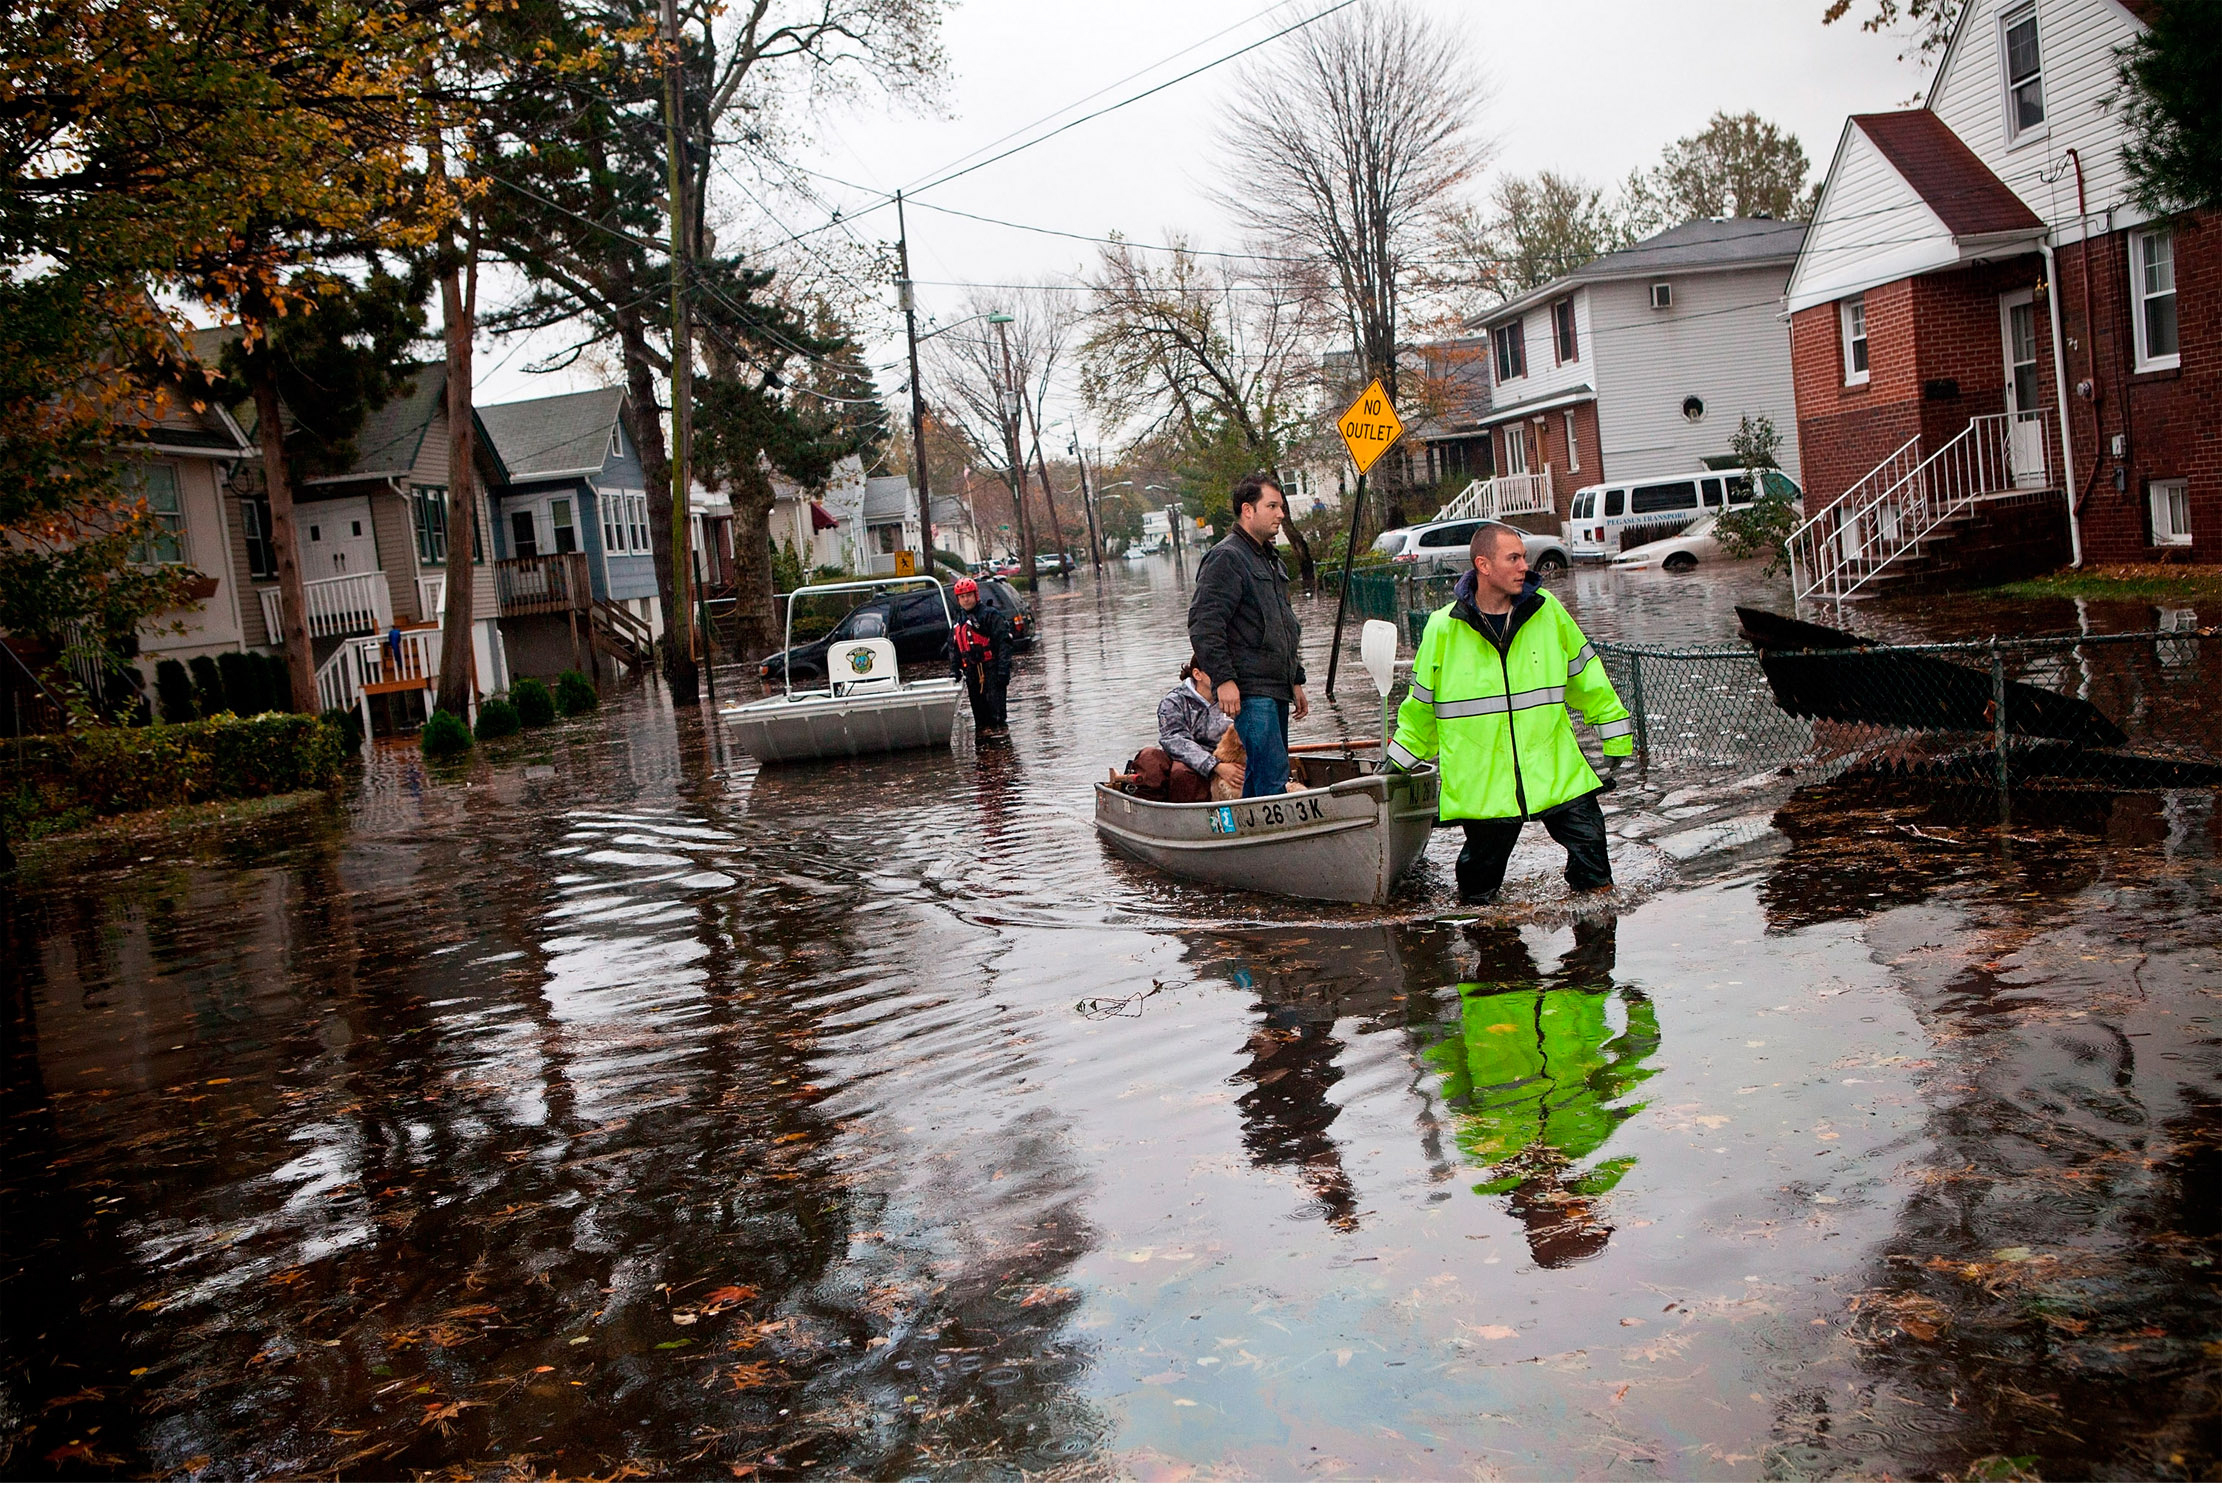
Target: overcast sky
[{"x": 1595, "y": 87}]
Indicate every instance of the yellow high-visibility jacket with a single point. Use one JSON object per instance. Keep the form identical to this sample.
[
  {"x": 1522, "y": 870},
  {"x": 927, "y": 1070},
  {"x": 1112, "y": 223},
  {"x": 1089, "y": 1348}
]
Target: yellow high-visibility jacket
[{"x": 1497, "y": 718}]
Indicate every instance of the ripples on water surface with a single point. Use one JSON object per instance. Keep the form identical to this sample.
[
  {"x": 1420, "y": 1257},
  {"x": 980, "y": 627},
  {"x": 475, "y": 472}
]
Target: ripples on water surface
[{"x": 613, "y": 1105}]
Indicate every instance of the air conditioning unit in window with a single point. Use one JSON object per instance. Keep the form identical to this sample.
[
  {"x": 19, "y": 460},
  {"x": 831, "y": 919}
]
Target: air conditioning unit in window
[{"x": 1662, "y": 296}]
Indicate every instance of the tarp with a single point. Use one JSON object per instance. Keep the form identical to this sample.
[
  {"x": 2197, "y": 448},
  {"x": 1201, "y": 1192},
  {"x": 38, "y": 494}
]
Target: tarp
[
  {"x": 1851, "y": 683},
  {"x": 821, "y": 520}
]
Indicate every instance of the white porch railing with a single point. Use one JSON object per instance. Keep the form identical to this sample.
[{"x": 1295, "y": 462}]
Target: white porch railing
[
  {"x": 411, "y": 655},
  {"x": 1502, "y": 496},
  {"x": 432, "y": 596},
  {"x": 1886, "y": 514},
  {"x": 349, "y": 604}
]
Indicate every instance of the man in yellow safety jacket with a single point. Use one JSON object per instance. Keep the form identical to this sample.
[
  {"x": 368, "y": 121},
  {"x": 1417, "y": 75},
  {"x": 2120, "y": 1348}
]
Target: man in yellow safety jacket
[{"x": 1495, "y": 670}]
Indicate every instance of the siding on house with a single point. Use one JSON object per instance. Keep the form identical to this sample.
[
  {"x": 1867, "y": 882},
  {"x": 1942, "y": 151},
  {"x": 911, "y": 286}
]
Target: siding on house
[
  {"x": 1546, "y": 374},
  {"x": 206, "y": 546},
  {"x": 2076, "y": 40},
  {"x": 1870, "y": 228},
  {"x": 1723, "y": 341},
  {"x": 252, "y": 632}
]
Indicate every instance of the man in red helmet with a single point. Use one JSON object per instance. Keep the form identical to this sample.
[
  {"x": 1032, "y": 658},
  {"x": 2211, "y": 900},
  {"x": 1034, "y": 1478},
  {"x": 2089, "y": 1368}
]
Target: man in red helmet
[{"x": 979, "y": 651}]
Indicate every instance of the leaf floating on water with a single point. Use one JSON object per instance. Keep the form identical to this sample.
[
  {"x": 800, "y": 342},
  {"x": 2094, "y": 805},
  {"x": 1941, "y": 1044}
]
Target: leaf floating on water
[{"x": 672, "y": 1343}]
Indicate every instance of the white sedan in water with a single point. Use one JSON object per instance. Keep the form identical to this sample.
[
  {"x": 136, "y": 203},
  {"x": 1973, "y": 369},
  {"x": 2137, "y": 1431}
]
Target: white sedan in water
[{"x": 1680, "y": 553}]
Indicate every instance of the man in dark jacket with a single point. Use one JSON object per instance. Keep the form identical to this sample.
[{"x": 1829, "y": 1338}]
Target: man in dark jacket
[
  {"x": 1245, "y": 634},
  {"x": 979, "y": 650}
]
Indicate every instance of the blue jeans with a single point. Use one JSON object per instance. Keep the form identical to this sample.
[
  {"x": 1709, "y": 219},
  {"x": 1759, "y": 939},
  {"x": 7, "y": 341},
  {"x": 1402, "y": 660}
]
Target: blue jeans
[{"x": 1263, "y": 727}]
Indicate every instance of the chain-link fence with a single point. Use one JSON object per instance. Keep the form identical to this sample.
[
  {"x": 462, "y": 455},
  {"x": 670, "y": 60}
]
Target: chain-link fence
[{"x": 2118, "y": 712}]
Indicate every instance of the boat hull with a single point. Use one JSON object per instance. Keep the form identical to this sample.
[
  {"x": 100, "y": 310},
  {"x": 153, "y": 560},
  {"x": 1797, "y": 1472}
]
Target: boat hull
[
  {"x": 779, "y": 730},
  {"x": 1348, "y": 842}
]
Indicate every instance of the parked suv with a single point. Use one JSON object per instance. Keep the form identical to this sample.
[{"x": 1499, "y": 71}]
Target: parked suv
[{"x": 1446, "y": 547}]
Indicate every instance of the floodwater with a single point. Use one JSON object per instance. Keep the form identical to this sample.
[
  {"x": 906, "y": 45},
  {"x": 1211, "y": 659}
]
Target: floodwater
[{"x": 610, "y": 1107}]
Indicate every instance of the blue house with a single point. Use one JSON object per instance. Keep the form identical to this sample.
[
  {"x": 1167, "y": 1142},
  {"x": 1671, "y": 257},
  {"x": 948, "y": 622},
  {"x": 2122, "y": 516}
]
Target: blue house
[{"x": 574, "y": 567}]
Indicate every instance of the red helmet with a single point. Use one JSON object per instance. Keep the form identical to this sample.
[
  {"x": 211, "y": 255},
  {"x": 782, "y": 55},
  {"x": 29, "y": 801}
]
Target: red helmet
[{"x": 967, "y": 586}]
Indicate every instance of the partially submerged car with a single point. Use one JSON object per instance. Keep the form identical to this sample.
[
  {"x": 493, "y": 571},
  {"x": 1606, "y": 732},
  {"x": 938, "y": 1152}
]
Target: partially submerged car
[
  {"x": 914, "y": 619},
  {"x": 1680, "y": 553}
]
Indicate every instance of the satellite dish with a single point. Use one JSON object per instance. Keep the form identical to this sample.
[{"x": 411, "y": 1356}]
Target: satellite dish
[{"x": 1377, "y": 649}]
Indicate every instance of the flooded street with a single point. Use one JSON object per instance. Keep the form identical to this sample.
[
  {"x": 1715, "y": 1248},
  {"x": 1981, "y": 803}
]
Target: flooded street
[{"x": 610, "y": 1106}]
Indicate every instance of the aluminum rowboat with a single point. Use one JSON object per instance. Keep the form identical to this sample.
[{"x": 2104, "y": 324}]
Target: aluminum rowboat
[
  {"x": 1349, "y": 842},
  {"x": 806, "y": 726}
]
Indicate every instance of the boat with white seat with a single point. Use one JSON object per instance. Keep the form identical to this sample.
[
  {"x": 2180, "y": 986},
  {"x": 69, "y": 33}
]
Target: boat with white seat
[{"x": 865, "y": 707}]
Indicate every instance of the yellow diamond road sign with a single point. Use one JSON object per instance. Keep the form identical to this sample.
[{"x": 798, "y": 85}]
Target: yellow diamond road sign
[{"x": 1369, "y": 426}]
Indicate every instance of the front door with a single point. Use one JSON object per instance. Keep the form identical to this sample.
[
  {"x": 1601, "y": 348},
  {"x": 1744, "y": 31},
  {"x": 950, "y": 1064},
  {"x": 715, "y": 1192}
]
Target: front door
[
  {"x": 335, "y": 539},
  {"x": 2025, "y": 426}
]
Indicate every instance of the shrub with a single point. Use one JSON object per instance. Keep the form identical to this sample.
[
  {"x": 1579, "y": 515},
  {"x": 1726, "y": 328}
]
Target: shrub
[
  {"x": 445, "y": 734},
  {"x": 208, "y": 685},
  {"x": 497, "y": 719},
  {"x": 60, "y": 780},
  {"x": 350, "y": 726},
  {"x": 281, "y": 685},
  {"x": 246, "y": 684},
  {"x": 575, "y": 695},
  {"x": 175, "y": 690},
  {"x": 535, "y": 704}
]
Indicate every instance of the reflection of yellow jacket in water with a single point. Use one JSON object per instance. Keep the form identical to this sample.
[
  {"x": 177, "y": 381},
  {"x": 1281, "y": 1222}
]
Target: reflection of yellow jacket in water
[{"x": 1538, "y": 1069}]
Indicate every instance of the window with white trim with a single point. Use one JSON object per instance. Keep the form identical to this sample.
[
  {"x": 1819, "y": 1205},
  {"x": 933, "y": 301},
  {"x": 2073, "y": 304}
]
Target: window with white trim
[
  {"x": 428, "y": 515},
  {"x": 1562, "y": 330},
  {"x": 2024, "y": 70},
  {"x": 1852, "y": 315},
  {"x": 637, "y": 511},
  {"x": 2171, "y": 504},
  {"x": 1515, "y": 450},
  {"x": 156, "y": 485},
  {"x": 1573, "y": 444},
  {"x": 2152, "y": 293}
]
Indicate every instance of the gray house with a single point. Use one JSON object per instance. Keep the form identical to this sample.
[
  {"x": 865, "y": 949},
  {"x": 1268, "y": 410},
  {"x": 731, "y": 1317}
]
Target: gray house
[{"x": 574, "y": 570}]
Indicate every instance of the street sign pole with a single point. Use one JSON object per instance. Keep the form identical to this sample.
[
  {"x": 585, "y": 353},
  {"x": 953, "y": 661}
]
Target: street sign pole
[
  {"x": 1368, "y": 427},
  {"x": 1342, "y": 598}
]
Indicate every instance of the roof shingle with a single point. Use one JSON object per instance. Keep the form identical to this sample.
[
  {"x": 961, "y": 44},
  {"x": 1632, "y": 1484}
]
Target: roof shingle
[{"x": 1946, "y": 174}]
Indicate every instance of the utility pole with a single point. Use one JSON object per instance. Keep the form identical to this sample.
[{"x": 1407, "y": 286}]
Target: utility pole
[
  {"x": 1088, "y": 506},
  {"x": 908, "y": 294},
  {"x": 679, "y": 668}
]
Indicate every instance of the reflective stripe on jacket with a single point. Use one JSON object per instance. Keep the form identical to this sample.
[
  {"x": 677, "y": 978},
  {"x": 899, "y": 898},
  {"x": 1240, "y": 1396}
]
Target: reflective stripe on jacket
[{"x": 1497, "y": 719}]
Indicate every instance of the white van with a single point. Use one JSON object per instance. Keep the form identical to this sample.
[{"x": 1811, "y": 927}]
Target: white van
[{"x": 1604, "y": 519}]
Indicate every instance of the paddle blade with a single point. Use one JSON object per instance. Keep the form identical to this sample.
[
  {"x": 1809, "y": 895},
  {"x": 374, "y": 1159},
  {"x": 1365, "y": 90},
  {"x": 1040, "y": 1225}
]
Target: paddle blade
[{"x": 1377, "y": 649}]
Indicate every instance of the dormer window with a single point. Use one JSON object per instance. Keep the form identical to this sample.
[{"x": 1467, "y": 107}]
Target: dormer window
[
  {"x": 617, "y": 440},
  {"x": 2025, "y": 83}
]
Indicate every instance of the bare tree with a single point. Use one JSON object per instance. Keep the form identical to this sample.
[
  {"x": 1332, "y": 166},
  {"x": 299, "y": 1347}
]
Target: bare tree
[
  {"x": 1198, "y": 351},
  {"x": 1347, "y": 144},
  {"x": 991, "y": 374}
]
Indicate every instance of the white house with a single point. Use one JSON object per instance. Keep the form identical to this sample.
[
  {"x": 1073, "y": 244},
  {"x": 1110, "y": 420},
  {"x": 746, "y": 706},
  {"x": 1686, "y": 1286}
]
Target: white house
[{"x": 1642, "y": 362}]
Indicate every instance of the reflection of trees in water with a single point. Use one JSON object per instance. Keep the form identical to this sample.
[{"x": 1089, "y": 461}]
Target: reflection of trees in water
[
  {"x": 1864, "y": 843},
  {"x": 666, "y": 1184},
  {"x": 1303, "y": 984},
  {"x": 2047, "y": 1300},
  {"x": 1537, "y": 1081}
]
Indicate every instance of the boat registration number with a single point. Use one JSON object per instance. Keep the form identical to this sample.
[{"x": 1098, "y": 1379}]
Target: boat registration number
[{"x": 1238, "y": 817}]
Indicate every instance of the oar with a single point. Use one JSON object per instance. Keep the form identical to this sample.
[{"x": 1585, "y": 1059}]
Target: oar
[{"x": 1339, "y": 744}]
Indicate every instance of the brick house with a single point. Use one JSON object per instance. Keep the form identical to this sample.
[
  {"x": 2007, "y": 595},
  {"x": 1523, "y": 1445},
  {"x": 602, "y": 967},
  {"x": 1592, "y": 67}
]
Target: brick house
[
  {"x": 1999, "y": 358},
  {"x": 1641, "y": 362}
]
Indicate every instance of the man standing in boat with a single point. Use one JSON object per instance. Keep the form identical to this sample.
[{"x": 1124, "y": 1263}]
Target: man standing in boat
[
  {"x": 1245, "y": 634},
  {"x": 980, "y": 650},
  {"x": 1491, "y": 681}
]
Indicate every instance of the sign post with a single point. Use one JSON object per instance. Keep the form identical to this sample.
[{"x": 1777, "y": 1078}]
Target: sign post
[{"x": 1368, "y": 427}]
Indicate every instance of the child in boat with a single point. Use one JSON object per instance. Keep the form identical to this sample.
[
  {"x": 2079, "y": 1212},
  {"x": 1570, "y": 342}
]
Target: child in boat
[{"x": 1198, "y": 756}]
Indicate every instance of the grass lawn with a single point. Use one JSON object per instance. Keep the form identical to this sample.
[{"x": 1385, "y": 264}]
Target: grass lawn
[{"x": 2165, "y": 582}]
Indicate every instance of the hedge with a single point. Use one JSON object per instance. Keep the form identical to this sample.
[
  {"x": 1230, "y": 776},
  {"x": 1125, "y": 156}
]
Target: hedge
[{"x": 56, "y": 780}]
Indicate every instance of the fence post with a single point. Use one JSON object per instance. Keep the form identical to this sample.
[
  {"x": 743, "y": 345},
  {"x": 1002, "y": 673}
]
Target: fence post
[
  {"x": 1643, "y": 724},
  {"x": 1998, "y": 712}
]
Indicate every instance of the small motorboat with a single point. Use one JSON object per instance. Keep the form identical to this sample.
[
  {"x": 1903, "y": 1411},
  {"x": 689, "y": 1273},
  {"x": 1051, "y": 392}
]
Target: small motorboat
[
  {"x": 864, "y": 708},
  {"x": 1348, "y": 836}
]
